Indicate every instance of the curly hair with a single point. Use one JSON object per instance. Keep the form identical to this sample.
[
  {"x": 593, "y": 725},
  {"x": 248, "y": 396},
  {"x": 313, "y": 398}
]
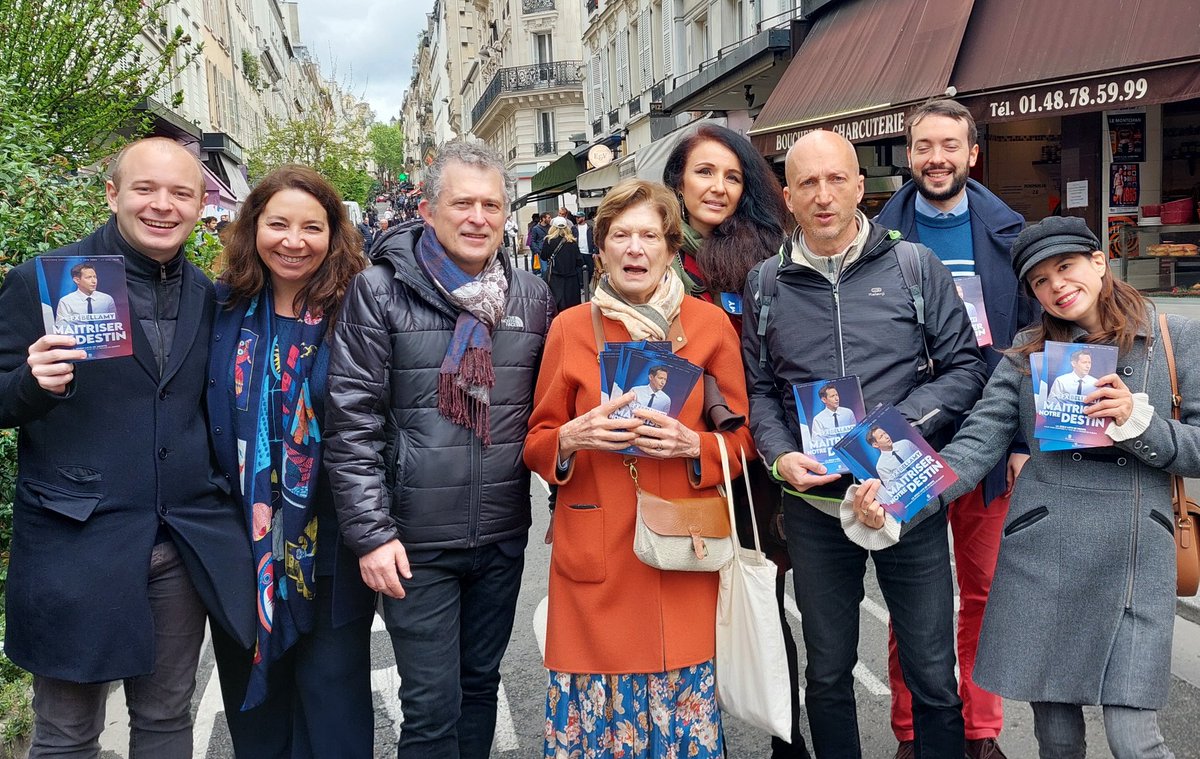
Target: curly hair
[
  {"x": 758, "y": 226},
  {"x": 634, "y": 192},
  {"x": 243, "y": 270}
]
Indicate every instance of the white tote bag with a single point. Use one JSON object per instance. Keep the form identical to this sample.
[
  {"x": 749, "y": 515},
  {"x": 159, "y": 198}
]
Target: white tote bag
[{"x": 751, "y": 664}]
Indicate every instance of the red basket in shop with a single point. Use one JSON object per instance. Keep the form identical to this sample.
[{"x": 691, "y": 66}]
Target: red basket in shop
[
  {"x": 1150, "y": 211},
  {"x": 1177, "y": 211}
]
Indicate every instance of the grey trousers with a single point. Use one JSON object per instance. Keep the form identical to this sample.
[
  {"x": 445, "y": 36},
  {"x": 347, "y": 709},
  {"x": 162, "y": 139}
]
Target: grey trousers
[
  {"x": 69, "y": 717},
  {"x": 1132, "y": 733}
]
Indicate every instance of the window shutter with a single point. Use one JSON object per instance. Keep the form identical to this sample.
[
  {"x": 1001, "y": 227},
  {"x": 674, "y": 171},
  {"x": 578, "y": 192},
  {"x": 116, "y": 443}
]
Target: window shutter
[
  {"x": 605, "y": 92},
  {"x": 668, "y": 49},
  {"x": 622, "y": 66},
  {"x": 645, "y": 54},
  {"x": 597, "y": 88}
]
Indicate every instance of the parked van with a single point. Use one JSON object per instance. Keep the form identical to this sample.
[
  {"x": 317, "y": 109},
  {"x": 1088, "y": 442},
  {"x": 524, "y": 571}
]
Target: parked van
[{"x": 354, "y": 211}]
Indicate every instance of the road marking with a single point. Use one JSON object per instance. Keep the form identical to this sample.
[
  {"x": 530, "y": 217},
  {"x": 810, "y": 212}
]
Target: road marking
[
  {"x": 861, "y": 673},
  {"x": 211, "y": 705},
  {"x": 875, "y": 610},
  {"x": 538, "y": 477},
  {"x": 1185, "y": 658},
  {"x": 506, "y": 731}
]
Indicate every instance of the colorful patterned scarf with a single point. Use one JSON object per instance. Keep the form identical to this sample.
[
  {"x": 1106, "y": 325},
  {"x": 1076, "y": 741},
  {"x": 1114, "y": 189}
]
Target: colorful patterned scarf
[
  {"x": 279, "y": 456},
  {"x": 466, "y": 379}
]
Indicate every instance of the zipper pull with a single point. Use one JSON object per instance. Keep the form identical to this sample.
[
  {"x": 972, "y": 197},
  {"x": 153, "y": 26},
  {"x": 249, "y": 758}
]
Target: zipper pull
[{"x": 162, "y": 273}]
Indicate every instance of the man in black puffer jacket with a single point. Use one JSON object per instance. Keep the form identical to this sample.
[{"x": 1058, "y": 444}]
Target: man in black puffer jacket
[{"x": 433, "y": 364}]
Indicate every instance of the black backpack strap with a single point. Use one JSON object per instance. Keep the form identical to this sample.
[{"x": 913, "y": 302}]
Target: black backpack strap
[
  {"x": 766, "y": 293},
  {"x": 909, "y": 259}
]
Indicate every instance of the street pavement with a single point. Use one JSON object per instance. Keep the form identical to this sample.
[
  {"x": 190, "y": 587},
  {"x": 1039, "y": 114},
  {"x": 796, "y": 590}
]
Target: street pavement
[{"x": 522, "y": 697}]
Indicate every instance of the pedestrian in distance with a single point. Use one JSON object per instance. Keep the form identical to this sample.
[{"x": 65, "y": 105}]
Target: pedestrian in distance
[
  {"x": 431, "y": 373},
  {"x": 304, "y": 688},
  {"x": 1082, "y": 606},
  {"x": 561, "y": 257},
  {"x": 971, "y": 231},
  {"x": 647, "y": 689},
  {"x": 893, "y": 349},
  {"x": 124, "y": 535},
  {"x": 734, "y": 217}
]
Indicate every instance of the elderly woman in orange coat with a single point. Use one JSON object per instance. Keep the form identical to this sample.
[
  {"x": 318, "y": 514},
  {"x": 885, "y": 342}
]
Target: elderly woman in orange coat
[{"x": 630, "y": 647}]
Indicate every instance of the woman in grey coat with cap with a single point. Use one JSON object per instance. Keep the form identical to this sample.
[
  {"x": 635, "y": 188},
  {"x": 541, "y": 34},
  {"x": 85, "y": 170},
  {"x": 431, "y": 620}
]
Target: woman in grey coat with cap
[{"x": 1082, "y": 606}]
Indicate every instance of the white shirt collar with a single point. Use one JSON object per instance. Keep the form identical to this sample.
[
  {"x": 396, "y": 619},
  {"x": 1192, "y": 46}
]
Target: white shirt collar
[{"x": 926, "y": 208}]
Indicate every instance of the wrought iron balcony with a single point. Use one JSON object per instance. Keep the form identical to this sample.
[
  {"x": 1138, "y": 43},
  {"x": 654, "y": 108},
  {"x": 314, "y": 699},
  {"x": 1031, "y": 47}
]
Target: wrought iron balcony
[
  {"x": 545, "y": 148},
  {"x": 539, "y": 76},
  {"x": 635, "y": 105},
  {"x": 614, "y": 116},
  {"x": 537, "y": 6},
  {"x": 658, "y": 91},
  {"x": 593, "y": 6},
  {"x": 597, "y": 125},
  {"x": 512, "y": 153}
]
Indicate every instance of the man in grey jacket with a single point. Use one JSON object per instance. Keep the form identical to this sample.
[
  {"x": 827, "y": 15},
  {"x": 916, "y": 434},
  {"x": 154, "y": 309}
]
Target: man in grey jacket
[
  {"x": 842, "y": 304},
  {"x": 431, "y": 374}
]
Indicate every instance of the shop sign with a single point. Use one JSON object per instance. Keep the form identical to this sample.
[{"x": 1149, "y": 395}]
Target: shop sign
[
  {"x": 877, "y": 126},
  {"x": 1088, "y": 93}
]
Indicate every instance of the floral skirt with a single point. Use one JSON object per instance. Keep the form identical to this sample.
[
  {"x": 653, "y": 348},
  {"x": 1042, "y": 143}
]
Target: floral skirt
[{"x": 664, "y": 715}]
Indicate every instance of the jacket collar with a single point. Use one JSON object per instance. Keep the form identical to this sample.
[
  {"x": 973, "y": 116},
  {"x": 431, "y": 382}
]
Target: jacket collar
[{"x": 139, "y": 266}]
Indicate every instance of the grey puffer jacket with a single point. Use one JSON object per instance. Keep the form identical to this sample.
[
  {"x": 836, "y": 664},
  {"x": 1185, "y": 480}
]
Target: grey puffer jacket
[
  {"x": 864, "y": 325},
  {"x": 397, "y": 467},
  {"x": 1082, "y": 607}
]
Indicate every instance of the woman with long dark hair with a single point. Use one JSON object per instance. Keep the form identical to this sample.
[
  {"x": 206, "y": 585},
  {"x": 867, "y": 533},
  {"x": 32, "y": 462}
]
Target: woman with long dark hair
[
  {"x": 1082, "y": 606},
  {"x": 305, "y": 689},
  {"x": 735, "y": 216}
]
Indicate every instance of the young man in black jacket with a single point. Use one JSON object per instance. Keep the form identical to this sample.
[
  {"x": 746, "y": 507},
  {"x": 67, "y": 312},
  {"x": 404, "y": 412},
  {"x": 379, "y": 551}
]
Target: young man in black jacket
[
  {"x": 842, "y": 304},
  {"x": 124, "y": 534},
  {"x": 433, "y": 363}
]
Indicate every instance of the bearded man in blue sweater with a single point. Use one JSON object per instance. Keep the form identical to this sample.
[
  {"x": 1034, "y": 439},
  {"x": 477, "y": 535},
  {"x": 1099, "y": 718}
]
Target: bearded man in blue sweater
[{"x": 971, "y": 231}]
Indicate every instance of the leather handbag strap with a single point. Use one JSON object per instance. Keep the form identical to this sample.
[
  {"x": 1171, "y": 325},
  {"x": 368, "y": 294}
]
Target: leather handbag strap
[{"x": 1179, "y": 502}]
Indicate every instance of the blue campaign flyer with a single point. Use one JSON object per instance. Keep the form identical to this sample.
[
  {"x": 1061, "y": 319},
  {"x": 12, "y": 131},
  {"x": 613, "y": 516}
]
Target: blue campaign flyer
[
  {"x": 660, "y": 381},
  {"x": 827, "y": 411},
  {"x": 1038, "y": 377},
  {"x": 86, "y": 297},
  {"x": 1069, "y": 373},
  {"x": 885, "y": 446}
]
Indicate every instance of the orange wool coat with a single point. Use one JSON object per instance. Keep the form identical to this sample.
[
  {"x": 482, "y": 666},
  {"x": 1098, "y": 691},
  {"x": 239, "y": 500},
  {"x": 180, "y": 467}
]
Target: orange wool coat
[{"x": 609, "y": 613}]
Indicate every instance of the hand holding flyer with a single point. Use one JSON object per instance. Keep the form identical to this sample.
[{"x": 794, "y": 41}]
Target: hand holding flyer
[
  {"x": 1068, "y": 375},
  {"x": 827, "y": 411},
  {"x": 73, "y": 303},
  {"x": 885, "y": 446},
  {"x": 659, "y": 380}
]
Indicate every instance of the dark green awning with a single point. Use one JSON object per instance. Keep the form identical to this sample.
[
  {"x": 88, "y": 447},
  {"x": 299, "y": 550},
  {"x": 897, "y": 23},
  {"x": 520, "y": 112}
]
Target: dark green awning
[{"x": 559, "y": 175}]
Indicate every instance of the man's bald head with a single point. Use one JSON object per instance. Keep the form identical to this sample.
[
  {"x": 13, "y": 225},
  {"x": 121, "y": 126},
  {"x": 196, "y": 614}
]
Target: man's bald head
[
  {"x": 161, "y": 145},
  {"x": 823, "y": 190},
  {"x": 821, "y": 142}
]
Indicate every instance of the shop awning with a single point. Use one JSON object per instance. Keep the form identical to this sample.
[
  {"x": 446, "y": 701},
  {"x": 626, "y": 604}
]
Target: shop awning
[
  {"x": 558, "y": 176},
  {"x": 237, "y": 181},
  {"x": 652, "y": 159},
  {"x": 216, "y": 192},
  {"x": 1025, "y": 59},
  {"x": 736, "y": 77},
  {"x": 860, "y": 67},
  {"x": 592, "y": 185}
]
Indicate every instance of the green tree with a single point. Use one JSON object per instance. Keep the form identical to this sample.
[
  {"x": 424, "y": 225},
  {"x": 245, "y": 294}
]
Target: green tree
[
  {"x": 83, "y": 68},
  {"x": 387, "y": 148},
  {"x": 334, "y": 145}
]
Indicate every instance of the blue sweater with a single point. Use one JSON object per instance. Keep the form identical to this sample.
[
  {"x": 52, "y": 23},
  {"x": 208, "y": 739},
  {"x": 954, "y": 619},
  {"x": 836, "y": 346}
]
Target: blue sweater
[{"x": 950, "y": 238}]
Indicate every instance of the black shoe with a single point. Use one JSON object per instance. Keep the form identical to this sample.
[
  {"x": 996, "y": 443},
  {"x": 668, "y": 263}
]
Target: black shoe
[{"x": 984, "y": 748}]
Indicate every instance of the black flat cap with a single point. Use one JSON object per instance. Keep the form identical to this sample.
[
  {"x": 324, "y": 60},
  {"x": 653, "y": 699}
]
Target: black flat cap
[{"x": 1052, "y": 236}]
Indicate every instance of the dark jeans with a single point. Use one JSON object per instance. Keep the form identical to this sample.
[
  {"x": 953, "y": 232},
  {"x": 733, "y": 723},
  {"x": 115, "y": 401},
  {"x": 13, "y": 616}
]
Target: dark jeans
[
  {"x": 69, "y": 717},
  {"x": 914, "y": 576},
  {"x": 449, "y": 633},
  {"x": 319, "y": 692}
]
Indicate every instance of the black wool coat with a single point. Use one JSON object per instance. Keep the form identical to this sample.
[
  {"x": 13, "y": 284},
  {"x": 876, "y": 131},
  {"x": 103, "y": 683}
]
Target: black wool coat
[{"x": 98, "y": 470}]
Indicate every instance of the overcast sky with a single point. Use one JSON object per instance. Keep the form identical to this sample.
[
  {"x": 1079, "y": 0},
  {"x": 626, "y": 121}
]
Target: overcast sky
[{"x": 370, "y": 42}]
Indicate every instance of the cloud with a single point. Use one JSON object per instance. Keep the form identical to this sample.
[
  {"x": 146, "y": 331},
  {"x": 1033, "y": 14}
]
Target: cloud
[{"x": 368, "y": 45}]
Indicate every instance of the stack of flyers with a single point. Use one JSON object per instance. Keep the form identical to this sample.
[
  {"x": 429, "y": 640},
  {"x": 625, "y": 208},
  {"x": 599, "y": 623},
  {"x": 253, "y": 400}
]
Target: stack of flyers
[
  {"x": 828, "y": 410},
  {"x": 659, "y": 380},
  {"x": 886, "y": 446},
  {"x": 85, "y": 297},
  {"x": 1063, "y": 375},
  {"x": 970, "y": 289}
]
